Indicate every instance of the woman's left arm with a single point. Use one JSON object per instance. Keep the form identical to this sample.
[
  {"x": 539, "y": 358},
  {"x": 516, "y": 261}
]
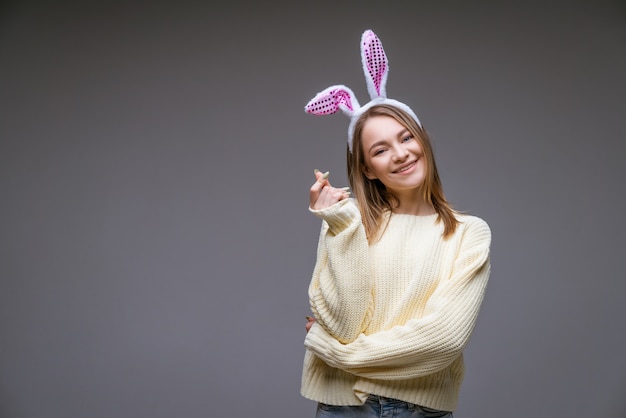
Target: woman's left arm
[{"x": 427, "y": 344}]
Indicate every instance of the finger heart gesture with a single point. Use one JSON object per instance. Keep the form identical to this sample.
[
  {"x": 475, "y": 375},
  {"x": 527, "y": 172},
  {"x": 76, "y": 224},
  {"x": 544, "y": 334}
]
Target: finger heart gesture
[{"x": 323, "y": 195}]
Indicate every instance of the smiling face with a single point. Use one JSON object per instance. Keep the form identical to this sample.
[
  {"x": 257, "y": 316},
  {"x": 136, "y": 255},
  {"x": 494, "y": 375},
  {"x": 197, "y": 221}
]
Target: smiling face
[{"x": 392, "y": 155}]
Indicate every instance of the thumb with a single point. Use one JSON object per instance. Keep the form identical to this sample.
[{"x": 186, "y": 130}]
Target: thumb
[{"x": 321, "y": 180}]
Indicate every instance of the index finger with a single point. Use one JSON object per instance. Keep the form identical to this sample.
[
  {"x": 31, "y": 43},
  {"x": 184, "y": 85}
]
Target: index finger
[{"x": 321, "y": 180}]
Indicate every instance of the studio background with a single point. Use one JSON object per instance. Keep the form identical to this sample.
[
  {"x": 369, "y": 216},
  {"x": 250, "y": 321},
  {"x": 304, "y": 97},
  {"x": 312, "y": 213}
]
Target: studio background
[{"x": 155, "y": 161}]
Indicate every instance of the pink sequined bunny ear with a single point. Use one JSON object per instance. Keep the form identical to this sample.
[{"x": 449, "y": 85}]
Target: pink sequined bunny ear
[
  {"x": 375, "y": 65},
  {"x": 339, "y": 97},
  {"x": 331, "y": 100}
]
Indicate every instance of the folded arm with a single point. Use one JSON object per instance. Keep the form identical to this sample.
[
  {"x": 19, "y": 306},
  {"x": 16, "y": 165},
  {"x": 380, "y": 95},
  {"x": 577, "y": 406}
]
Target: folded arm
[{"x": 422, "y": 345}]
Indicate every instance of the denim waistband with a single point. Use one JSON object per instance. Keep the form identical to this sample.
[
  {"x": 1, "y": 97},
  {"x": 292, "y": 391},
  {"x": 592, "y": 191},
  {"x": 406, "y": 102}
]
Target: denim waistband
[{"x": 384, "y": 400}]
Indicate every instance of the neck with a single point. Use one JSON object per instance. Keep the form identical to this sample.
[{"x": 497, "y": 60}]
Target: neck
[{"x": 412, "y": 203}]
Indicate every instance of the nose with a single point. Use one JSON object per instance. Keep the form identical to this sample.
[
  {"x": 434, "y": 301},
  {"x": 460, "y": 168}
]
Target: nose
[{"x": 400, "y": 153}]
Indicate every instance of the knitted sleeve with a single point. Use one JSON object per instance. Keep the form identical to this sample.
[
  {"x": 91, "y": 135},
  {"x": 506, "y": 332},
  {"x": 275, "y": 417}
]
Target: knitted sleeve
[
  {"x": 427, "y": 344},
  {"x": 340, "y": 289}
]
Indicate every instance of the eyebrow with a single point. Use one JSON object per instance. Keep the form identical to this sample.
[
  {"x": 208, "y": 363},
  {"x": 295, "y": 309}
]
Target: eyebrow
[{"x": 400, "y": 134}]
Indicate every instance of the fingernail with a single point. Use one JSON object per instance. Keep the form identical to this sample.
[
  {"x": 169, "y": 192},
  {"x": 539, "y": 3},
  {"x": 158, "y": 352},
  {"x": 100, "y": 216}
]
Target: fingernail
[
  {"x": 316, "y": 171},
  {"x": 326, "y": 174},
  {"x": 345, "y": 189},
  {"x": 308, "y": 318}
]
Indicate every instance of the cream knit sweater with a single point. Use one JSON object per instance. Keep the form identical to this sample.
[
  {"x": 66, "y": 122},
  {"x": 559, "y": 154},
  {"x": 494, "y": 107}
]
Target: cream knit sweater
[{"x": 393, "y": 318}]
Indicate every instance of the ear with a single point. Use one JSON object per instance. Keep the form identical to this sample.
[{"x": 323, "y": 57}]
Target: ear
[
  {"x": 331, "y": 100},
  {"x": 375, "y": 65}
]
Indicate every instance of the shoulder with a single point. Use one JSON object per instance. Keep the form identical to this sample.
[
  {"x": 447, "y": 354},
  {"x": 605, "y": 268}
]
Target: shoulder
[
  {"x": 473, "y": 228},
  {"x": 472, "y": 221}
]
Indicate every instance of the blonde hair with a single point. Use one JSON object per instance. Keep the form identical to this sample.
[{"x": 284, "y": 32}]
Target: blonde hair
[{"x": 373, "y": 198}]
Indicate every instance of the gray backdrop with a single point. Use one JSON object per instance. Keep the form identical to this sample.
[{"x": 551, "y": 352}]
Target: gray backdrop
[{"x": 156, "y": 246}]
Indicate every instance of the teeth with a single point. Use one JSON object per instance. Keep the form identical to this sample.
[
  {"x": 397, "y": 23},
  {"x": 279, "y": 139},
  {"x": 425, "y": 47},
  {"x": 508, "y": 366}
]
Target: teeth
[{"x": 406, "y": 168}]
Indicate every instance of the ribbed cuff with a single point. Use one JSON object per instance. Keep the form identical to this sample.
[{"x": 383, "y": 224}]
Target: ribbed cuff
[
  {"x": 340, "y": 215},
  {"x": 315, "y": 341}
]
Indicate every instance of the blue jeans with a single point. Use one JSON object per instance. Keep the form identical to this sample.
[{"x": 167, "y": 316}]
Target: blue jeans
[{"x": 380, "y": 407}]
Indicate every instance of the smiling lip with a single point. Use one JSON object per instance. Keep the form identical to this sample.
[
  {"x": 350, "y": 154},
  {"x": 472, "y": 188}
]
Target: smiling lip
[{"x": 406, "y": 167}]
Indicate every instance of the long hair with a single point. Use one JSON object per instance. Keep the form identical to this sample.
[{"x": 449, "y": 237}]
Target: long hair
[{"x": 373, "y": 198}]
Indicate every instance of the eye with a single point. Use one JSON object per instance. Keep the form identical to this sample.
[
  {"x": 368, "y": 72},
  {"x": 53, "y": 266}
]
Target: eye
[
  {"x": 407, "y": 138},
  {"x": 378, "y": 151}
]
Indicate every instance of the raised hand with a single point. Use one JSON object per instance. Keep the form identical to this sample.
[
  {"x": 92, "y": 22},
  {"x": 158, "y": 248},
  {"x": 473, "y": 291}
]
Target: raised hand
[{"x": 322, "y": 195}]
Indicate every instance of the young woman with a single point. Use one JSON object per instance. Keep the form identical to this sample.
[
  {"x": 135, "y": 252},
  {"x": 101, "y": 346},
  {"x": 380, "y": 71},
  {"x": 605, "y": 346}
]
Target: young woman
[{"x": 399, "y": 277}]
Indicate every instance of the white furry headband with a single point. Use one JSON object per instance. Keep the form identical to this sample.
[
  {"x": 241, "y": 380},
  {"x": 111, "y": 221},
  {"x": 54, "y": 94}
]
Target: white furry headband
[{"x": 376, "y": 69}]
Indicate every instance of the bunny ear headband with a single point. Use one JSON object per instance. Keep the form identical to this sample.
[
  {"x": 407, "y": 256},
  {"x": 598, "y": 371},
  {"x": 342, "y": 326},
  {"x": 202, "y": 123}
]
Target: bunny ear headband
[{"x": 340, "y": 97}]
